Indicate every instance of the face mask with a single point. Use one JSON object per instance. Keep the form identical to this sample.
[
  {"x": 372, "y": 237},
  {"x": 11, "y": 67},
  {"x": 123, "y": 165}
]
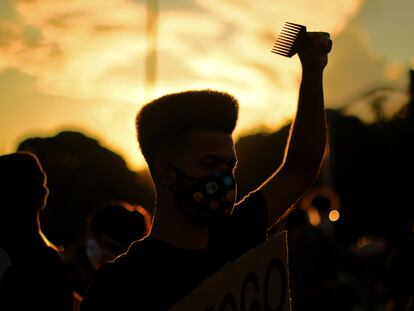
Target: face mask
[
  {"x": 94, "y": 252},
  {"x": 209, "y": 200}
]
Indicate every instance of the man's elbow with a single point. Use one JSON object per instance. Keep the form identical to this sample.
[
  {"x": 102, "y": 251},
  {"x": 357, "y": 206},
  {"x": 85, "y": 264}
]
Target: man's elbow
[{"x": 308, "y": 166}]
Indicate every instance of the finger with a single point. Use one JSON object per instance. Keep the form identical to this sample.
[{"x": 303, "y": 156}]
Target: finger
[
  {"x": 327, "y": 42},
  {"x": 328, "y": 46},
  {"x": 321, "y": 41},
  {"x": 315, "y": 35}
]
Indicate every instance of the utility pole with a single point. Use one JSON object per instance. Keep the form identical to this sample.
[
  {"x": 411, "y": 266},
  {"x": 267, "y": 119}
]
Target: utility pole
[{"x": 151, "y": 50}]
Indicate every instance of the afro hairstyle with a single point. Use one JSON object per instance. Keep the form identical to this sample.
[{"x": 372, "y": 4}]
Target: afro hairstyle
[{"x": 164, "y": 119}]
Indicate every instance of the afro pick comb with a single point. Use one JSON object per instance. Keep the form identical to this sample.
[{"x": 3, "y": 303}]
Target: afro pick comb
[{"x": 290, "y": 40}]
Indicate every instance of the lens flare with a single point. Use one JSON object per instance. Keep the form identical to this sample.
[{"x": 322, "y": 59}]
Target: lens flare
[{"x": 334, "y": 215}]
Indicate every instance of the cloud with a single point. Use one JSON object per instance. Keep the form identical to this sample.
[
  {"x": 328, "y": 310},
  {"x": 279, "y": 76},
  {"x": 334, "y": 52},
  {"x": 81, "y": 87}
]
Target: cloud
[
  {"x": 357, "y": 73},
  {"x": 79, "y": 41},
  {"x": 389, "y": 28},
  {"x": 370, "y": 53},
  {"x": 353, "y": 67},
  {"x": 265, "y": 15}
]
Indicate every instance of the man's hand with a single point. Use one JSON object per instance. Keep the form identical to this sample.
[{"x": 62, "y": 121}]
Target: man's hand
[{"x": 315, "y": 55}]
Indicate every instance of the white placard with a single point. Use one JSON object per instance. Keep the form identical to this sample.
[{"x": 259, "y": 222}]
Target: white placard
[{"x": 257, "y": 281}]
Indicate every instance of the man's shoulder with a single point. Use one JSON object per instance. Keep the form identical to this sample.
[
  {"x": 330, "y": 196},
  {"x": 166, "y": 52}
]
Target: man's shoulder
[
  {"x": 141, "y": 249},
  {"x": 139, "y": 256}
]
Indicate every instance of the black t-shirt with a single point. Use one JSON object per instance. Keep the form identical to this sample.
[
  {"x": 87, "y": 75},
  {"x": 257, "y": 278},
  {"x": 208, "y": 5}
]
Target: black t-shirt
[
  {"x": 37, "y": 280},
  {"x": 154, "y": 275}
]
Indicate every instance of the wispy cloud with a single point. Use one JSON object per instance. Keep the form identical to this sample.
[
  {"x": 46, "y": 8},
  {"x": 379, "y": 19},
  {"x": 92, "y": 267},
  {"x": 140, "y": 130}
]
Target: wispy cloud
[
  {"x": 373, "y": 51},
  {"x": 78, "y": 41}
]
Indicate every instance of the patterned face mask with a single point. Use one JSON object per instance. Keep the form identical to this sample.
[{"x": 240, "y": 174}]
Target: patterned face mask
[{"x": 210, "y": 199}]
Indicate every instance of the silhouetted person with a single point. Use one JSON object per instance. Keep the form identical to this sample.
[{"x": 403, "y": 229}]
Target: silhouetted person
[
  {"x": 112, "y": 229},
  {"x": 186, "y": 139},
  {"x": 36, "y": 275}
]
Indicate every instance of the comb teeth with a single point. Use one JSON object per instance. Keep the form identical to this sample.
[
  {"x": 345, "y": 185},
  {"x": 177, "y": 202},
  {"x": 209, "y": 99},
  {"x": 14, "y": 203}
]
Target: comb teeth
[{"x": 290, "y": 39}]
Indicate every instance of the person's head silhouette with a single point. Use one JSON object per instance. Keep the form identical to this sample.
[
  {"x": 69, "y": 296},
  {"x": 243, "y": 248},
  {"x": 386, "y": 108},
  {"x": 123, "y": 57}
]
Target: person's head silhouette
[
  {"x": 186, "y": 139},
  {"x": 23, "y": 193},
  {"x": 113, "y": 228}
]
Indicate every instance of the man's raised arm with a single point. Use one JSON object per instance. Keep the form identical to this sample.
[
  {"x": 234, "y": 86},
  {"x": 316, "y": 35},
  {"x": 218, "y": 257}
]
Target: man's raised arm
[{"x": 306, "y": 145}]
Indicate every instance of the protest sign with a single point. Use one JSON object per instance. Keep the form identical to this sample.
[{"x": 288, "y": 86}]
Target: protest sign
[{"x": 257, "y": 281}]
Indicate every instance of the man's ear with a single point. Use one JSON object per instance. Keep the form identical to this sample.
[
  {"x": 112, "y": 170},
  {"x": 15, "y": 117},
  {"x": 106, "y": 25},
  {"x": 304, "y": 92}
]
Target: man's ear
[{"x": 163, "y": 172}]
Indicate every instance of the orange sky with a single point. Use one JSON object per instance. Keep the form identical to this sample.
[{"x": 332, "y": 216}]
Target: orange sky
[{"x": 80, "y": 64}]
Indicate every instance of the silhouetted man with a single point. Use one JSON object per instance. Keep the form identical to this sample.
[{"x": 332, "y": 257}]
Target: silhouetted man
[
  {"x": 186, "y": 139},
  {"x": 35, "y": 274}
]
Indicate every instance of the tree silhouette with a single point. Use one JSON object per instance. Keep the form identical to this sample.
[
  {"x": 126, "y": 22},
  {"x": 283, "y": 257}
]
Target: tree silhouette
[{"x": 82, "y": 176}]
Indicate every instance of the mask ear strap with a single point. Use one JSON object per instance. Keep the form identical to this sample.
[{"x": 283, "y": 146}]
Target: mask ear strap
[{"x": 179, "y": 172}]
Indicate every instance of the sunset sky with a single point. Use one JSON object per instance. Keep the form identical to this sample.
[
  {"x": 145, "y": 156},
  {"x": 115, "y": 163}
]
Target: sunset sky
[{"x": 80, "y": 64}]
